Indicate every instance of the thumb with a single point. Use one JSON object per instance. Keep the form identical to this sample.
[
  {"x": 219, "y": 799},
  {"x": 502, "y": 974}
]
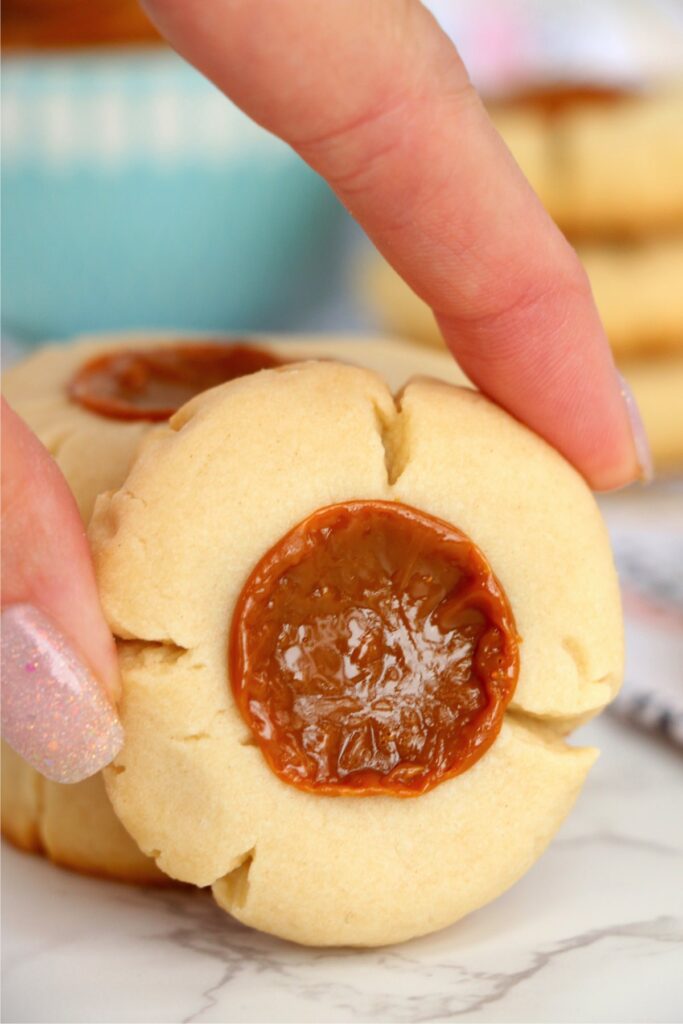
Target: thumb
[{"x": 59, "y": 668}]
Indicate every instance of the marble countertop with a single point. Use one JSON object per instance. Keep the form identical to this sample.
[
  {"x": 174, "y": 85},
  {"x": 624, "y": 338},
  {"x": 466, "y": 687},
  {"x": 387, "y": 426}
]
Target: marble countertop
[{"x": 594, "y": 932}]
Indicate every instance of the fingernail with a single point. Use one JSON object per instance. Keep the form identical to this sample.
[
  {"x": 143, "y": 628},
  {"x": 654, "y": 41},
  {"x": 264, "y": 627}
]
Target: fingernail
[
  {"x": 642, "y": 445},
  {"x": 54, "y": 712}
]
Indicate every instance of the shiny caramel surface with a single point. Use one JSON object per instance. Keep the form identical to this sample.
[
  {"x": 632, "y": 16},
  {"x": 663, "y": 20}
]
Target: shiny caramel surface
[
  {"x": 151, "y": 384},
  {"x": 372, "y": 651}
]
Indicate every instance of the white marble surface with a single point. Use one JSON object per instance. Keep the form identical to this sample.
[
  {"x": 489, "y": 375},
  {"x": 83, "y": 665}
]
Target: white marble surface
[{"x": 593, "y": 933}]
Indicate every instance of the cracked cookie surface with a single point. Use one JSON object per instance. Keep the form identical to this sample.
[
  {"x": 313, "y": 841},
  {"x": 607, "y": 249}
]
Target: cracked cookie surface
[
  {"x": 75, "y": 825},
  {"x": 207, "y": 497}
]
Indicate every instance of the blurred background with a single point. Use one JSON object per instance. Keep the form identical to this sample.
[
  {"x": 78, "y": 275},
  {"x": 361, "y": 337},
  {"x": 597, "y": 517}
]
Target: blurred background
[{"x": 134, "y": 195}]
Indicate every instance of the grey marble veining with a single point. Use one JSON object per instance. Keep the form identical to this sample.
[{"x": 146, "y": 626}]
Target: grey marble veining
[{"x": 593, "y": 933}]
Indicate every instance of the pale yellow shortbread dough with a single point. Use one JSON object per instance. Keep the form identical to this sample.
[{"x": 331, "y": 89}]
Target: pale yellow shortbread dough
[
  {"x": 75, "y": 825},
  {"x": 207, "y": 496},
  {"x": 95, "y": 452}
]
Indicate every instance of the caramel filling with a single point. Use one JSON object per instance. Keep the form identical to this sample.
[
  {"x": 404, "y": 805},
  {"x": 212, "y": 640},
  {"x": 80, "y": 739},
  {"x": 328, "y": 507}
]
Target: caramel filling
[
  {"x": 72, "y": 23},
  {"x": 554, "y": 100},
  {"x": 372, "y": 651},
  {"x": 151, "y": 384}
]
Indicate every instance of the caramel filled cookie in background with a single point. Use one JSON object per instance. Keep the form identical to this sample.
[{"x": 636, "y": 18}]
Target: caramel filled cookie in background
[
  {"x": 604, "y": 166},
  {"x": 49, "y": 24},
  {"x": 635, "y": 285},
  {"x": 636, "y": 289}
]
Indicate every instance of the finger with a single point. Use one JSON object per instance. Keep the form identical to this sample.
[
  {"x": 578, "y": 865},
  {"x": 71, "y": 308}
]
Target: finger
[
  {"x": 374, "y": 96},
  {"x": 59, "y": 668}
]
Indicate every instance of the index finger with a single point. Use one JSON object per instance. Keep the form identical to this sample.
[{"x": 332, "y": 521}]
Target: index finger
[{"x": 375, "y": 98}]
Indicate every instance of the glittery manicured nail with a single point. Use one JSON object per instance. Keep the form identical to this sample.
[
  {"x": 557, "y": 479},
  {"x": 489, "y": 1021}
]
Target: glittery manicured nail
[
  {"x": 640, "y": 441},
  {"x": 54, "y": 712}
]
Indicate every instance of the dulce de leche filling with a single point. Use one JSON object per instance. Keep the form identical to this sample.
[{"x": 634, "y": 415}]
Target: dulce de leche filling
[
  {"x": 372, "y": 650},
  {"x": 70, "y": 23},
  {"x": 563, "y": 96},
  {"x": 153, "y": 383}
]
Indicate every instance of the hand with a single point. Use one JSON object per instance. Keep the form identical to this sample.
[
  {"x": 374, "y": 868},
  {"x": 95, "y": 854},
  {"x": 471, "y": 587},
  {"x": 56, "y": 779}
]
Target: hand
[
  {"x": 374, "y": 97},
  {"x": 59, "y": 667}
]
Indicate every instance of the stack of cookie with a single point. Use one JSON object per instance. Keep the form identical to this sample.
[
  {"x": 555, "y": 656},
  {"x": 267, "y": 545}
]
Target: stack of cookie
[
  {"x": 355, "y": 627},
  {"x": 609, "y": 169}
]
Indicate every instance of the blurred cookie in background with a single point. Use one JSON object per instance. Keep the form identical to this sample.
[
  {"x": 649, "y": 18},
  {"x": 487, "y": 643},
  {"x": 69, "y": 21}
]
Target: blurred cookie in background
[
  {"x": 604, "y": 162},
  {"x": 621, "y": 166},
  {"x": 607, "y": 164},
  {"x": 638, "y": 291},
  {"x": 38, "y": 24}
]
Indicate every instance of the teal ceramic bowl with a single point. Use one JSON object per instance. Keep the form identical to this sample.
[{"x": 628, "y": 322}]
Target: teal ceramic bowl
[{"x": 135, "y": 195}]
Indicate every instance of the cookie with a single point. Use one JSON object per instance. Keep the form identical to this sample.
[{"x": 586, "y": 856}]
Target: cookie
[
  {"x": 75, "y": 825},
  {"x": 251, "y": 485},
  {"x": 95, "y": 450},
  {"x": 602, "y": 168},
  {"x": 619, "y": 167},
  {"x": 636, "y": 289},
  {"x": 93, "y": 432}
]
